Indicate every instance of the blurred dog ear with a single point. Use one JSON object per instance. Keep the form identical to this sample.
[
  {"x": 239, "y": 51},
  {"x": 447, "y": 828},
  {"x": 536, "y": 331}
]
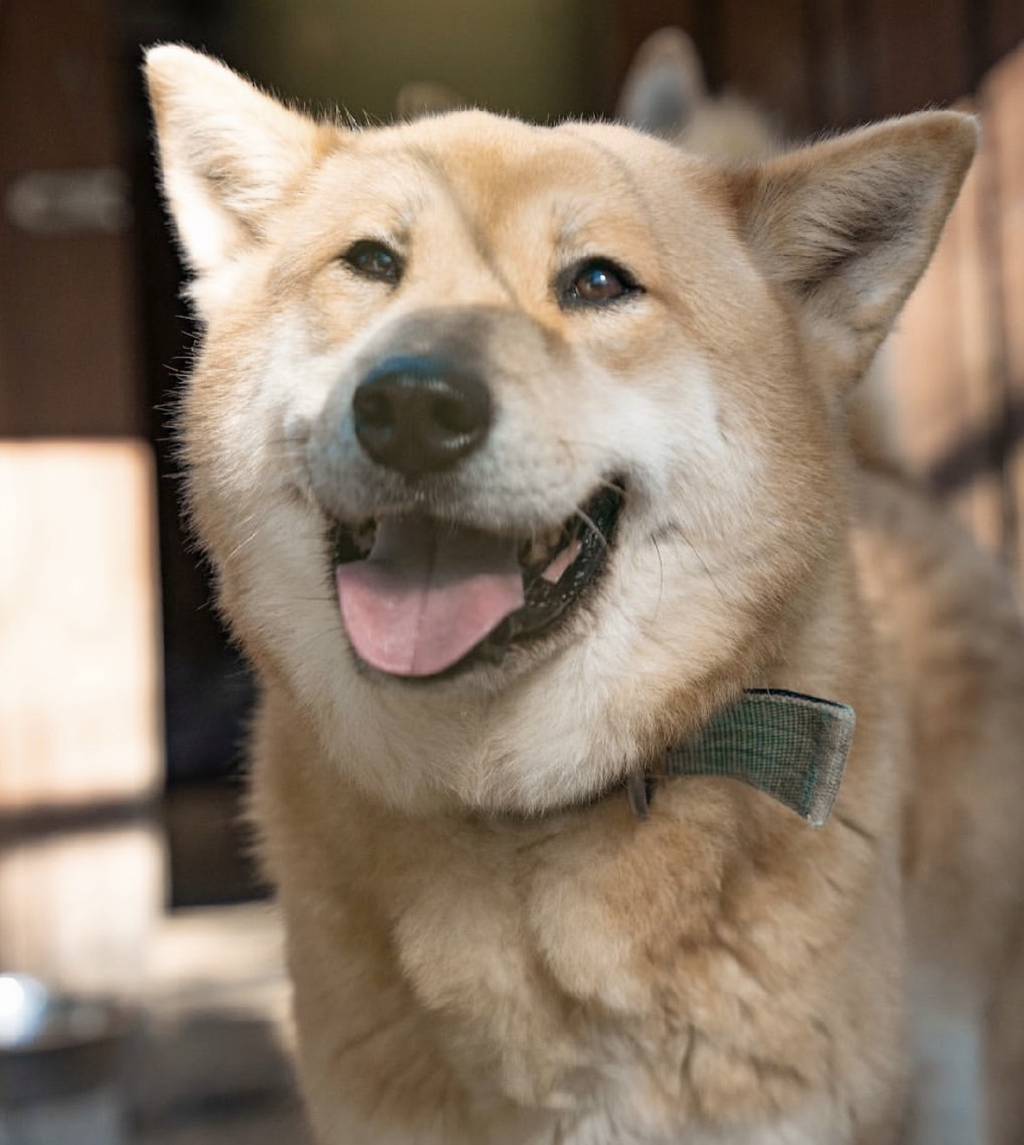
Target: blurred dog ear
[
  {"x": 228, "y": 153},
  {"x": 420, "y": 99},
  {"x": 847, "y": 227},
  {"x": 664, "y": 85}
]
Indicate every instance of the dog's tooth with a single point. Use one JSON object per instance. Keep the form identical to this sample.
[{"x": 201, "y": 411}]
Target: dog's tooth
[
  {"x": 536, "y": 549},
  {"x": 364, "y": 534}
]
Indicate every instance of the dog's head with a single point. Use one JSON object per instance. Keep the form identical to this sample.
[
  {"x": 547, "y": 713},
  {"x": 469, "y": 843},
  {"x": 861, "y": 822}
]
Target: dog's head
[{"x": 514, "y": 446}]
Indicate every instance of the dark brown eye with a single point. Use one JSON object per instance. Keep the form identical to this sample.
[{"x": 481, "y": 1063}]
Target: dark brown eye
[
  {"x": 374, "y": 260},
  {"x": 597, "y": 282}
]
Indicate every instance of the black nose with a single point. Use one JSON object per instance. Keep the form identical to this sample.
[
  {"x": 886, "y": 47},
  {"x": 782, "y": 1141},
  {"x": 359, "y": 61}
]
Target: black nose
[{"x": 420, "y": 415}]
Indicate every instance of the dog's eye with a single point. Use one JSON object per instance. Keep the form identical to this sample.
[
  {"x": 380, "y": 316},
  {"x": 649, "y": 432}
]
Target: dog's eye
[
  {"x": 374, "y": 260},
  {"x": 596, "y": 282}
]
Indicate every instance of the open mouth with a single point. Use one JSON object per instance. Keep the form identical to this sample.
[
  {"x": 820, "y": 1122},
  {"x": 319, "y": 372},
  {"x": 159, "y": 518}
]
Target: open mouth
[{"x": 421, "y": 597}]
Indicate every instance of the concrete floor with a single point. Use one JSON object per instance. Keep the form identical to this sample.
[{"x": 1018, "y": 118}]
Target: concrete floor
[{"x": 212, "y": 1065}]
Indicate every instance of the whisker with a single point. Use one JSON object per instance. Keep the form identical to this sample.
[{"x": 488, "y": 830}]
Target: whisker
[
  {"x": 661, "y": 577},
  {"x": 243, "y": 544},
  {"x": 316, "y": 637},
  {"x": 299, "y": 442},
  {"x": 585, "y": 444},
  {"x": 704, "y": 565},
  {"x": 610, "y": 485},
  {"x": 590, "y": 524}
]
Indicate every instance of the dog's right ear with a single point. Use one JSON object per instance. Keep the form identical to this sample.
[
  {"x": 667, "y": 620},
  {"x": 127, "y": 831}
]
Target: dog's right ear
[
  {"x": 846, "y": 227},
  {"x": 664, "y": 84},
  {"x": 228, "y": 152}
]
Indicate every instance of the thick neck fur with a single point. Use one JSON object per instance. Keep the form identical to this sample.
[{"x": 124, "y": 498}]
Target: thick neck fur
[{"x": 470, "y": 927}]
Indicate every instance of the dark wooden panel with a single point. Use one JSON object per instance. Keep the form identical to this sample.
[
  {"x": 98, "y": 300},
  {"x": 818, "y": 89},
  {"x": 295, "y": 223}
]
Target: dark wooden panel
[
  {"x": 764, "y": 56},
  {"x": 917, "y": 54},
  {"x": 838, "y": 84},
  {"x": 66, "y": 306},
  {"x": 1004, "y": 109},
  {"x": 1005, "y": 26}
]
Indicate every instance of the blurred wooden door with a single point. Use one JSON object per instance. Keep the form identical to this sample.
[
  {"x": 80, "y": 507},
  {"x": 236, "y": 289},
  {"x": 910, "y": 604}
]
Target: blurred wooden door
[
  {"x": 67, "y": 320},
  {"x": 80, "y": 700}
]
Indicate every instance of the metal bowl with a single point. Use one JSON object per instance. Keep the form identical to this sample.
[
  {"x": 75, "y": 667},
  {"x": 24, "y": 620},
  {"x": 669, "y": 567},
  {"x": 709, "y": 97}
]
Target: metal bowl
[{"x": 58, "y": 1053}]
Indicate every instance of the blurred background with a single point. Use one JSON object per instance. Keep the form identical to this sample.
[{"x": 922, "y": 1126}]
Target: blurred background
[{"x": 124, "y": 865}]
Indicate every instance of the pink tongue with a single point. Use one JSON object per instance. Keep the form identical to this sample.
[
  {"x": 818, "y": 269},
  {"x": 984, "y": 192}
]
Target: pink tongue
[{"x": 427, "y": 594}]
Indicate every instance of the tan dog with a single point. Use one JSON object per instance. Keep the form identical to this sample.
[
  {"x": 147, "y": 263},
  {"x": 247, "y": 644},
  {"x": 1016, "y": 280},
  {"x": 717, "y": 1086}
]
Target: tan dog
[{"x": 440, "y": 360}]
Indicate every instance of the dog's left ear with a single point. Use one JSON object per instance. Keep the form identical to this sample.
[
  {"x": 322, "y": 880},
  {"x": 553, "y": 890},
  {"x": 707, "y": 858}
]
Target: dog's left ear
[
  {"x": 228, "y": 152},
  {"x": 847, "y": 227}
]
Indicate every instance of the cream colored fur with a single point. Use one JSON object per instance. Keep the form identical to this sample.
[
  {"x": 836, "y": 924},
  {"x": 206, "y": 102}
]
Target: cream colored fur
[{"x": 472, "y": 961}]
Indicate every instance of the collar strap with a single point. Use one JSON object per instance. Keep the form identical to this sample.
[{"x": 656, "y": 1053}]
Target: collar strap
[{"x": 790, "y": 746}]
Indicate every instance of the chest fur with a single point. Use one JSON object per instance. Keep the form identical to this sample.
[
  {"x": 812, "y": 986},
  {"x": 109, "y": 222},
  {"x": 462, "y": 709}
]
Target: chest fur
[{"x": 634, "y": 968}]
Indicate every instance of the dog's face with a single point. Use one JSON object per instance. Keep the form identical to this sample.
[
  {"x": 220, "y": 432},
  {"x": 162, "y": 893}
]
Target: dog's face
[{"x": 513, "y": 446}]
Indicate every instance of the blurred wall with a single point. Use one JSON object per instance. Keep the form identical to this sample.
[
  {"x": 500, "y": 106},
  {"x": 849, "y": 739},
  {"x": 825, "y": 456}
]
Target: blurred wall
[
  {"x": 536, "y": 58},
  {"x": 834, "y": 63}
]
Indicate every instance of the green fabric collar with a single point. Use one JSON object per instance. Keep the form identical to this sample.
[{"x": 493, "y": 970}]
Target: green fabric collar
[{"x": 791, "y": 747}]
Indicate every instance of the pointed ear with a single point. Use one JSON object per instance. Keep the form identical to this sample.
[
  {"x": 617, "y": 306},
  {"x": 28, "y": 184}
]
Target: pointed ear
[
  {"x": 228, "y": 152},
  {"x": 664, "y": 84},
  {"x": 848, "y": 226}
]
